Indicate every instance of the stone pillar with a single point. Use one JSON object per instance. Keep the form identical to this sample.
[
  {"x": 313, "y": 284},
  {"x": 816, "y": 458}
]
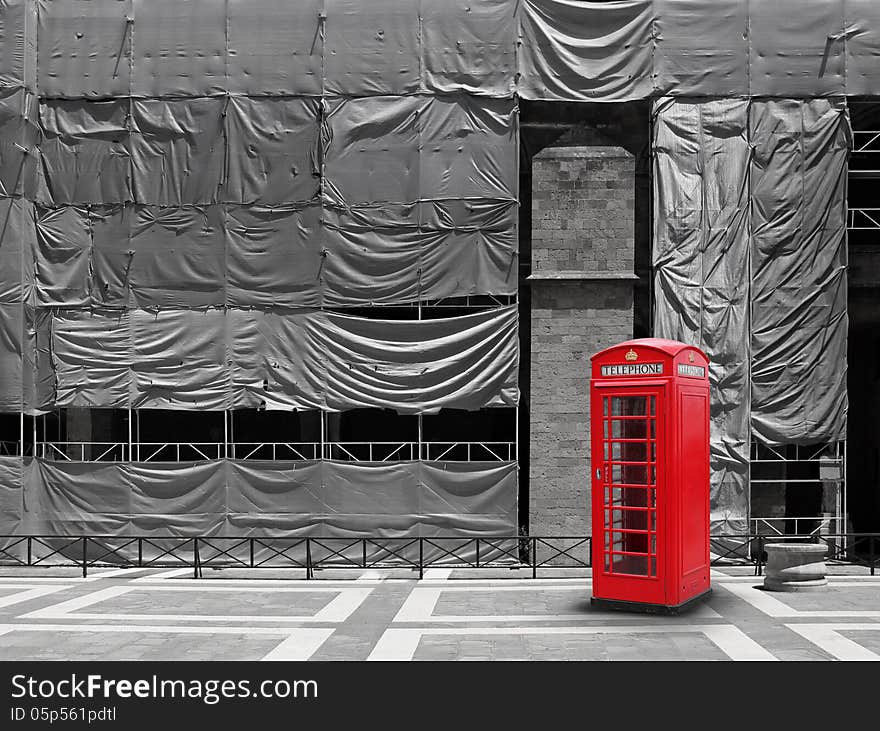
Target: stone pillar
[{"x": 583, "y": 208}]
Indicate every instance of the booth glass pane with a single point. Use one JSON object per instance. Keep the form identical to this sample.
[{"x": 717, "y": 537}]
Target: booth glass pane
[
  {"x": 628, "y": 564},
  {"x": 629, "y": 405},
  {"x": 628, "y": 519},
  {"x": 630, "y": 497},
  {"x": 628, "y": 429},
  {"x": 629, "y": 474},
  {"x": 626, "y": 542},
  {"x": 629, "y": 452}
]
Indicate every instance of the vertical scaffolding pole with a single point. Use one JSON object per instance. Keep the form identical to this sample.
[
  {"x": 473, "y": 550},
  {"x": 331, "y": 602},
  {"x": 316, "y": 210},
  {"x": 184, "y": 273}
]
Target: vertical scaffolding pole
[
  {"x": 322, "y": 434},
  {"x": 419, "y": 417},
  {"x": 225, "y": 433},
  {"x": 129, "y": 436}
]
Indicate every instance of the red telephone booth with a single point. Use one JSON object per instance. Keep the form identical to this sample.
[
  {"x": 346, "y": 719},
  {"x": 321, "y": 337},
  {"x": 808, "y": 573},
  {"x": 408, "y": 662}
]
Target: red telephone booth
[{"x": 650, "y": 475}]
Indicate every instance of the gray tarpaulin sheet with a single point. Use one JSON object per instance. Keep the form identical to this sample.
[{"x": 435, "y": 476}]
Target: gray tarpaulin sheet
[
  {"x": 11, "y": 496},
  {"x": 252, "y": 498},
  {"x": 18, "y": 137},
  {"x": 217, "y": 359},
  {"x": 576, "y": 51},
  {"x": 701, "y": 248},
  {"x": 539, "y": 49},
  {"x": 18, "y": 27},
  {"x": 798, "y": 270},
  {"x": 750, "y": 208},
  {"x": 261, "y": 256}
]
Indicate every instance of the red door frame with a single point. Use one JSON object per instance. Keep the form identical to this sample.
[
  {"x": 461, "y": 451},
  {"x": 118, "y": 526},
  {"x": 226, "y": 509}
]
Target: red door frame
[{"x": 606, "y": 584}]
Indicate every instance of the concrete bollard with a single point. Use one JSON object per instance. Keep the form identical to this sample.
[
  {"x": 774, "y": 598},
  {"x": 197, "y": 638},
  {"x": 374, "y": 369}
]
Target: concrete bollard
[{"x": 795, "y": 566}]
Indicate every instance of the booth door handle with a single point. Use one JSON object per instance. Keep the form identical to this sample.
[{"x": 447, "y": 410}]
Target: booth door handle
[{"x": 599, "y": 473}]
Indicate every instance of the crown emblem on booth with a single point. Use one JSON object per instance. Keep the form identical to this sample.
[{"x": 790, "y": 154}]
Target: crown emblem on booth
[{"x": 631, "y": 355}]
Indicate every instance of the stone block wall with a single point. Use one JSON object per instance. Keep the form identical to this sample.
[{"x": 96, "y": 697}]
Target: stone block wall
[{"x": 582, "y": 301}]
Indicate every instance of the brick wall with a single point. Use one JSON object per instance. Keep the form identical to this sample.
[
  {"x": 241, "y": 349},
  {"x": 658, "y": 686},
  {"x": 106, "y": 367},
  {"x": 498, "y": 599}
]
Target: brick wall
[{"x": 582, "y": 301}]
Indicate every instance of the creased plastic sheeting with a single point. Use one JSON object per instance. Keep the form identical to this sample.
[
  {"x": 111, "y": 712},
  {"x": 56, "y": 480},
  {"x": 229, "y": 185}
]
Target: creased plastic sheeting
[
  {"x": 170, "y": 257},
  {"x": 564, "y": 50},
  {"x": 701, "y": 235},
  {"x": 389, "y": 256},
  {"x": 274, "y": 256},
  {"x": 585, "y": 51},
  {"x": 84, "y": 48},
  {"x": 17, "y": 243},
  {"x": 178, "y": 48},
  {"x": 12, "y": 30},
  {"x": 18, "y": 27},
  {"x": 263, "y": 256},
  {"x": 405, "y": 149},
  {"x": 469, "y": 46},
  {"x": 178, "y": 150},
  {"x": 217, "y": 359},
  {"x": 11, "y": 345},
  {"x": 271, "y": 499},
  {"x": 371, "y": 48},
  {"x": 862, "y": 40},
  {"x": 464, "y": 362},
  {"x": 275, "y": 47},
  {"x": 62, "y": 257},
  {"x": 11, "y": 499},
  {"x": 18, "y": 138},
  {"x": 85, "y": 152},
  {"x": 797, "y": 48},
  {"x": 701, "y": 47},
  {"x": 273, "y": 150},
  {"x": 798, "y": 270},
  {"x": 336, "y": 362}
]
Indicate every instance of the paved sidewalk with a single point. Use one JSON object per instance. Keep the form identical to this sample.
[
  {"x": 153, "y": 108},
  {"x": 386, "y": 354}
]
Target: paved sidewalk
[{"x": 159, "y": 614}]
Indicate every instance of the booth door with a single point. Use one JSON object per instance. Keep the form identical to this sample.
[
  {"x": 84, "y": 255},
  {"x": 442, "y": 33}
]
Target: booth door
[{"x": 629, "y": 435}]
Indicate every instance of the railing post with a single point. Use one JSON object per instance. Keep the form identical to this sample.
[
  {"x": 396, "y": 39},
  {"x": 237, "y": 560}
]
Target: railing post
[
  {"x": 85, "y": 569},
  {"x": 421, "y": 558},
  {"x": 873, "y": 567},
  {"x": 364, "y": 541},
  {"x": 140, "y": 551},
  {"x": 308, "y": 558},
  {"x": 195, "y": 558},
  {"x": 478, "y": 553},
  {"x": 534, "y": 557},
  {"x": 251, "y": 541},
  {"x": 29, "y": 555}
]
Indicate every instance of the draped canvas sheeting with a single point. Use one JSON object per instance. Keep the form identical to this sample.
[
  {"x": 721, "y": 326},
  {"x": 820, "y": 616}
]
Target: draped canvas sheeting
[
  {"x": 569, "y": 50},
  {"x": 11, "y": 496},
  {"x": 798, "y": 270},
  {"x": 219, "y": 359},
  {"x": 633, "y": 49},
  {"x": 701, "y": 247},
  {"x": 749, "y": 255},
  {"x": 252, "y": 498}
]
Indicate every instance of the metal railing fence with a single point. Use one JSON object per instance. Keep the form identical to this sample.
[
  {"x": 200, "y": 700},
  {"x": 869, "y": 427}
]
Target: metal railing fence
[{"x": 417, "y": 553}]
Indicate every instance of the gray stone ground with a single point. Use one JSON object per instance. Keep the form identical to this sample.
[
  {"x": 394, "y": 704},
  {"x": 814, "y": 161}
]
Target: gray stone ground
[{"x": 146, "y": 614}]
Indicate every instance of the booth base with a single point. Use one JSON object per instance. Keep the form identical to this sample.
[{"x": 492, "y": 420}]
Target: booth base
[{"x": 621, "y": 605}]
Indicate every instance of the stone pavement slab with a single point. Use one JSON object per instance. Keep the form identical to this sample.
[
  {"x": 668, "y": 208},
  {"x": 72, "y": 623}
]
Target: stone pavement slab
[{"x": 497, "y": 614}]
